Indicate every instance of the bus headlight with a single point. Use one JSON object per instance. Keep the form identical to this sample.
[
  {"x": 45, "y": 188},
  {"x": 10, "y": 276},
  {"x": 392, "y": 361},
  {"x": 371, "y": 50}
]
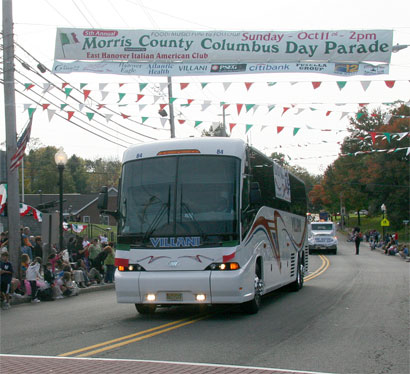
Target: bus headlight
[
  {"x": 223, "y": 266},
  {"x": 151, "y": 297},
  {"x": 200, "y": 297}
]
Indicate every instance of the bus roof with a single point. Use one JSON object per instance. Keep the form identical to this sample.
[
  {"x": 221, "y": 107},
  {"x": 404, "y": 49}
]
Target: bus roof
[{"x": 205, "y": 145}]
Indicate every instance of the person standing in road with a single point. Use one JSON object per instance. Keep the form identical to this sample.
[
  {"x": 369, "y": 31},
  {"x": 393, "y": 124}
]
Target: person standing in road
[
  {"x": 357, "y": 240},
  {"x": 109, "y": 264}
]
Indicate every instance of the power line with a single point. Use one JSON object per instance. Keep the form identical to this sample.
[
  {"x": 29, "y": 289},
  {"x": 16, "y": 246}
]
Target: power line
[{"x": 91, "y": 99}]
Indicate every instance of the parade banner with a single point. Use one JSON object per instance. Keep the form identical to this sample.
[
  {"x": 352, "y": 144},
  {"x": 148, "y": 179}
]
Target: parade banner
[
  {"x": 187, "y": 69},
  {"x": 149, "y": 46}
]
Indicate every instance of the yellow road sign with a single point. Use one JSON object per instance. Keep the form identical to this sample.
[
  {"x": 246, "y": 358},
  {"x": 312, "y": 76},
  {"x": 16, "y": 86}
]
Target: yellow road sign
[{"x": 385, "y": 222}]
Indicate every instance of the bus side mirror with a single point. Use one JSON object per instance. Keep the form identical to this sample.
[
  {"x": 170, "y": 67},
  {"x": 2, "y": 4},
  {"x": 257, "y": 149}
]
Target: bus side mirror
[
  {"x": 255, "y": 196},
  {"x": 102, "y": 202}
]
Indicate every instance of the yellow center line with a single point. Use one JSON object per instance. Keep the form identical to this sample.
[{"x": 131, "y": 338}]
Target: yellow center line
[
  {"x": 325, "y": 264},
  {"x": 145, "y": 334},
  {"x": 124, "y": 337},
  {"x": 143, "y": 337}
]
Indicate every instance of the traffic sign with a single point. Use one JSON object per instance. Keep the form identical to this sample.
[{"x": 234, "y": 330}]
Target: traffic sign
[{"x": 385, "y": 222}]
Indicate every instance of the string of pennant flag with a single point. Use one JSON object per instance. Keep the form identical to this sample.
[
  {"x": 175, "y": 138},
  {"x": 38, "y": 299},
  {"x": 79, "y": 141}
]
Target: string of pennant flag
[
  {"x": 248, "y": 126},
  {"x": 394, "y": 150},
  {"x": 248, "y": 85},
  {"x": 205, "y": 104}
]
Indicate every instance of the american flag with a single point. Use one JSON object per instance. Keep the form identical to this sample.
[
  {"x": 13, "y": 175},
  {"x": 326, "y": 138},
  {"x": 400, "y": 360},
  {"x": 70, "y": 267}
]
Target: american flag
[{"x": 16, "y": 160}]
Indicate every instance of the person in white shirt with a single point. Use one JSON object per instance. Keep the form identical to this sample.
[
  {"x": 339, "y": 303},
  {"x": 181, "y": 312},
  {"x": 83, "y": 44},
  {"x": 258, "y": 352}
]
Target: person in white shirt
[{"x": 32, "y": 274}]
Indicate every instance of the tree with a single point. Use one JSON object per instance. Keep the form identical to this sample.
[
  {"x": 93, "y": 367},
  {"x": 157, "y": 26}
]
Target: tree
[
  {"x": 103, "y": 173},
  {"x": 76, "y": 166},
  {"x": 80, "y": 175},
  {"x": 216, "y": 131},
  {"x": 371, "y": 171},
  {"x": 42, "y": 174}
]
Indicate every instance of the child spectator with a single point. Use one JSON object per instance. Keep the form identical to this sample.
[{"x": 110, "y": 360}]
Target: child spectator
[
  {"x": 109, "y": 264},
  {"x": 52, "y": 259},
  {"x": 25, "y": 262},
  {"x": 32, "y": 274},
  {"x": 6, "y": 271},
  {"x": 68, "y": 287},
  {"x": 50, "y": 278}
]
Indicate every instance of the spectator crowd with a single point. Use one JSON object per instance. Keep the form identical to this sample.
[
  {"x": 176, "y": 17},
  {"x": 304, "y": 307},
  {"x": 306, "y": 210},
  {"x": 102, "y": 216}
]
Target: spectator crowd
[{"x": 60, "y": 274}]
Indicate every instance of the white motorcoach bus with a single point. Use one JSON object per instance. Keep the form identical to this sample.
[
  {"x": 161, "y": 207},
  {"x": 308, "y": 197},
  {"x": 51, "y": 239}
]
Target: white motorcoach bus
[{"x": 207, "y": 221}]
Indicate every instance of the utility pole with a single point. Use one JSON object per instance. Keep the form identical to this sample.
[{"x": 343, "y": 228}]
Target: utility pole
[
  {"x": 13, "y": 208},
  {"x": 171, "y": 108}
]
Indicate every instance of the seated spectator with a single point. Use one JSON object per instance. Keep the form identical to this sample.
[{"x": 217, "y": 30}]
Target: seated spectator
[
  {"x": 68, "y": 287},
  {"x": 392, "y": 250},
  {"x": 388, "y": 244},
  {"x": 95, "y": 276},
  {"x": 50, "y": 279},
  {"x": 403, "y": 250},
  {"x": 81, "y": 275}
]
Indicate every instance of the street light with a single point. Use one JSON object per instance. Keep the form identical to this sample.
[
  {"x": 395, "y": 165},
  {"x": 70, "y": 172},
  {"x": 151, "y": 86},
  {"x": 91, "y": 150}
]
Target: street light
[
  {"x": 223, "y": 115},
  {"x": 384, "y": 209},
  {"x": 61, "y": 159}
]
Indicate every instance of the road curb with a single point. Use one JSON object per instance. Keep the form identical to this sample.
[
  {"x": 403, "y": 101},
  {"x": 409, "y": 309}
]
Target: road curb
[{"x": 27, "y": 299}]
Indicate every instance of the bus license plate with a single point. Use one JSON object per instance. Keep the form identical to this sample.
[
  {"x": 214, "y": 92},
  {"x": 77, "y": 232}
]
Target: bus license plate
[{"x": 174, "y": 296}]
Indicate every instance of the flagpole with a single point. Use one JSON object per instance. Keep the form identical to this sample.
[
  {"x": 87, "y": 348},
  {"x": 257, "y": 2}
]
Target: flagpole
[
  {"x": 171, "y": 108},
  {"x": 22, "y": 180},
  {"x": 13, "y": 209}
]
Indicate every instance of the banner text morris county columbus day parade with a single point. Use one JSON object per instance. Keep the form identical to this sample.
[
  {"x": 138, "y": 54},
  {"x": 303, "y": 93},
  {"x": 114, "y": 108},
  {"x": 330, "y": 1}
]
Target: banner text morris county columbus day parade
[{"x": 148, "y": 52}]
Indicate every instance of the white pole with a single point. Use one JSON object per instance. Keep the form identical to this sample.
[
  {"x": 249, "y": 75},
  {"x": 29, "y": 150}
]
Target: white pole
[{"x": 22, "y": 180}]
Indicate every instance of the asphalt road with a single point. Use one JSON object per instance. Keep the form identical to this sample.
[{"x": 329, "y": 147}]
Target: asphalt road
[{"x": 352, "y": 318}]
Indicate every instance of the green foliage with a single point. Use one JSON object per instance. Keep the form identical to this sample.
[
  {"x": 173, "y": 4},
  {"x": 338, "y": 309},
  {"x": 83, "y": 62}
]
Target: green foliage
[
  {"x": 80, "y": 175},
  {"x": 216, "y": 131},
  {"x": 366, "y": 181}
]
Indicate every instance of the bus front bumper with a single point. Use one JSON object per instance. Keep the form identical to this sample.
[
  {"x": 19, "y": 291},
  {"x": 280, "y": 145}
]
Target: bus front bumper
[{"x": 184, "y": 287}]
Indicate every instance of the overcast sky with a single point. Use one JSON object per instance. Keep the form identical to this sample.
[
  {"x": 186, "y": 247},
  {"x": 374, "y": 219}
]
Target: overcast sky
[{"x": 35, "y": 30}]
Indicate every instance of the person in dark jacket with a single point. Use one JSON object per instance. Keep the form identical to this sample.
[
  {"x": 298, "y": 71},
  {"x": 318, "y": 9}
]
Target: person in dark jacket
[{"x": 357, "y": 240}]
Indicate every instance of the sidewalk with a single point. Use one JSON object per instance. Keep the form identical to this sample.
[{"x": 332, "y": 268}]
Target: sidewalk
[
  {"x": 93, "y": 288},
  {"x": 16, "y": 364}
]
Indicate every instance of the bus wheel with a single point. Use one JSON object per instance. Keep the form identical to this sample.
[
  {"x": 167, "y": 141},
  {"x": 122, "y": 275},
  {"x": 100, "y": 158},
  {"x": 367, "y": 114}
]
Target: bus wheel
[
  {"x": 298, "y": 283},
  {"x": 252, "y": 306},
  {"x": 145, "y": 308}
]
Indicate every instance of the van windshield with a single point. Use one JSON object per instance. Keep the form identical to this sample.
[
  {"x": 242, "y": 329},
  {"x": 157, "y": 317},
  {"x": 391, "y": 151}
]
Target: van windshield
[{"x": 322, "y": 226}]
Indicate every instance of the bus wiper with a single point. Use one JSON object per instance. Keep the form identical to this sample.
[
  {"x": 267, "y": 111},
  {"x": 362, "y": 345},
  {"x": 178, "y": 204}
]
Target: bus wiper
[
  {"x": 156, "y": 221},
  {"x": 165, "y": 207},
  {"x": 192, "y": 216}
]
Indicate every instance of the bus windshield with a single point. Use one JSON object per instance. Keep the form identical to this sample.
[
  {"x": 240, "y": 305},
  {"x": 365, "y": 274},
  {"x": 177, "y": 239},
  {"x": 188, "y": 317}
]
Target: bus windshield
[{"x": 180, "y": 196}]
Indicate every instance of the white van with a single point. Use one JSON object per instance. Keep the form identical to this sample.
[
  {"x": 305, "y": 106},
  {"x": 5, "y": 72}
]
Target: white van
[{"x": 322, "y": 236}]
